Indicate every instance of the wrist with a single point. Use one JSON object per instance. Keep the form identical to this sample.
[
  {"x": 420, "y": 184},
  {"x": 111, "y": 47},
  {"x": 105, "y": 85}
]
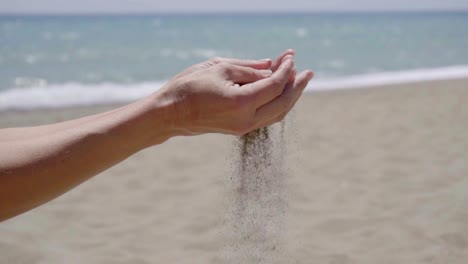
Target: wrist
[
  {"x": 173, "y": 109},
  {"x": 162, "y": 116}
]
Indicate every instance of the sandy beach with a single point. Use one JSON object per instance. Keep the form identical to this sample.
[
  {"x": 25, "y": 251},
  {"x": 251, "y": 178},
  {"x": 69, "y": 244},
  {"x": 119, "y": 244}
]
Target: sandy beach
[{"x": 374, "y": 176}]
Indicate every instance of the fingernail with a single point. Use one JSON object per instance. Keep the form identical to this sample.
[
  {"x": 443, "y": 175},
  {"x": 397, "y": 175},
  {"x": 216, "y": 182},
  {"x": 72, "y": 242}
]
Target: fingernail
[
  {"x": 263, "y": 60},
  {"x": 265, "y": 73}
]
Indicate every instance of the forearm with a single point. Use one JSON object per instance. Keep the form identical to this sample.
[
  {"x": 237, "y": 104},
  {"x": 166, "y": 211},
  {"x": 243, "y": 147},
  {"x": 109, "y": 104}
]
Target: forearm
[
  {"x": 24, "y": 133},
  {"x": 43, "y": 167}
]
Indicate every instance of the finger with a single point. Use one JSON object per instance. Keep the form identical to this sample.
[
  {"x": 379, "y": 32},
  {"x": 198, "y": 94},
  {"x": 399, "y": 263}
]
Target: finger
[
  {"x": 292, "y": 77},
  {"x": 289, "y": 56},
  {"x": 242, "y": 75},
  {"x": 275, "y": 65},
  {"x": 264, "y": 64},
  {"x": 265, "y": 90},
  {"x": 277, "y": 118},
  {"x": 275, "y": 110}
]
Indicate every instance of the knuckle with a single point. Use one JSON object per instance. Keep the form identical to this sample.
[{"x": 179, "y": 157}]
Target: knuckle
[
  {"x": 250, "y": 73},
  {"x": 225, "y": 68},
  {"x": 216, "y": 60}
]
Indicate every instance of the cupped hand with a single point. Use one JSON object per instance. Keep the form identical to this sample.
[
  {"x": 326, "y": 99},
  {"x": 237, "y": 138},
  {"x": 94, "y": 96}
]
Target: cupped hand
[{"x": 233, "y": 96}]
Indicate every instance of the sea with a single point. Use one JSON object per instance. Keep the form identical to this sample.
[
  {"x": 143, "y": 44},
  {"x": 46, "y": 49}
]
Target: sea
[{"x": 59, "y": 61}]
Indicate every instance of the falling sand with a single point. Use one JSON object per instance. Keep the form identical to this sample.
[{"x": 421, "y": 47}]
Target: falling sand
[{"x": 257, "y": 208}]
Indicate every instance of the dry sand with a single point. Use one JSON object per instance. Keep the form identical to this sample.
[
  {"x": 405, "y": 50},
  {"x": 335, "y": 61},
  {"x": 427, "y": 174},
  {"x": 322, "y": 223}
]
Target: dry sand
[{"x": 376, "y": 176}]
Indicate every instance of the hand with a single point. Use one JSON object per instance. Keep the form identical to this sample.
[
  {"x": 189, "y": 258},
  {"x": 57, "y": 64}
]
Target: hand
[{"x": 233, "y": 96}]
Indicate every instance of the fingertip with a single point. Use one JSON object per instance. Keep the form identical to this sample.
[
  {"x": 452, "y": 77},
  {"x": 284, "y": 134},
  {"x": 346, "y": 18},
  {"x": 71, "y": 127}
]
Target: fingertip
[
  {"x": 301, "y": 78},
  {"x": 268, "y": 61},
  {"x": 307, "y": 74},
  {"x": 310, "y": 74},
  {"x": 290, "y": 51},
  {"x": 285, "y": 73},
  {"x": 262, "y": 64}
]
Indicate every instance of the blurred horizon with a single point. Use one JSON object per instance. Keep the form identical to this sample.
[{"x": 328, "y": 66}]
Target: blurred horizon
[
  {"x": 237, "y": 13},
  {"x": 122, "y": 7}
]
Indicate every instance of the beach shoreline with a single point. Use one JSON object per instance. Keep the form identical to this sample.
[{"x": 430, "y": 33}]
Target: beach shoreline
[
  {"x": 315, "y": 87},
  {"x": 44, "y": 95}
]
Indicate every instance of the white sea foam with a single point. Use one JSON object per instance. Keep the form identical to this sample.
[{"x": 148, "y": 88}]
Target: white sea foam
[
  {"x": 74, "y": 94},
  {"x": 44, "y": 95},
  {"x": 389, "y": 78}
]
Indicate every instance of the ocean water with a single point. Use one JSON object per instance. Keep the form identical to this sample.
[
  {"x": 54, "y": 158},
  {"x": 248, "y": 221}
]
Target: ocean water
[{"x": 54, "y": 61}]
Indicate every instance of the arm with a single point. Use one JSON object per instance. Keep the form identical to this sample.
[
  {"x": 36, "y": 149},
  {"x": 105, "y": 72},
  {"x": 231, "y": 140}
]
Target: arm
[
  {"x": 36, "y": 169},
  {"x": 38, "y": 164}
]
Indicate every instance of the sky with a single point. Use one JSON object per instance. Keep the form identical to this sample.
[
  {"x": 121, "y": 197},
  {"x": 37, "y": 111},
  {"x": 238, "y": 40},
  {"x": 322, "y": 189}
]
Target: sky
[{"x": 194, "y": 6}]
